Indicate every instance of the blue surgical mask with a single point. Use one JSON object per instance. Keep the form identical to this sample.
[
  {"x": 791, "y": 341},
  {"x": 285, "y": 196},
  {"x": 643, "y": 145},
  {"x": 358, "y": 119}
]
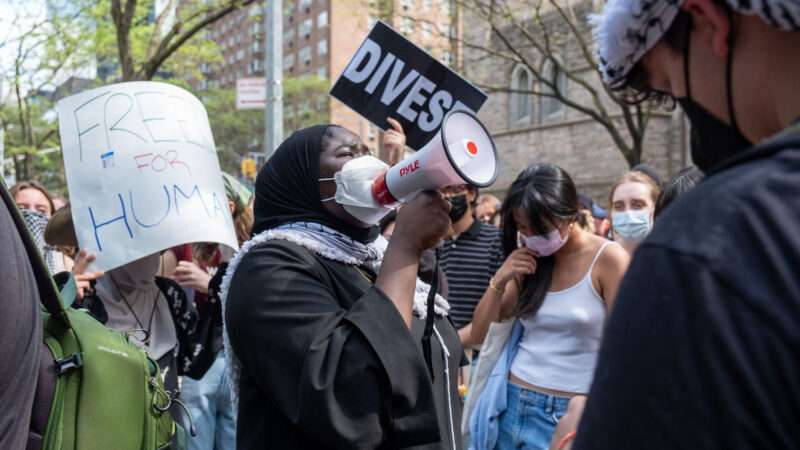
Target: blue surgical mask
[{"x": 632, "y": 225}]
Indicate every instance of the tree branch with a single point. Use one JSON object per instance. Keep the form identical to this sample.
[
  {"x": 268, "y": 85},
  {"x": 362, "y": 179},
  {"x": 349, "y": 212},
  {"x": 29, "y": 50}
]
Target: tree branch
[
  {"x": 166, "y": 49},
  {"x": 123, "y": 18}
]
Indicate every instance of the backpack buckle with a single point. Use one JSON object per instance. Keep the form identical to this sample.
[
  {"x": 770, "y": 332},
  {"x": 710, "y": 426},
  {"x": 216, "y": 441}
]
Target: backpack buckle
[{"x": 68, "y": 363}]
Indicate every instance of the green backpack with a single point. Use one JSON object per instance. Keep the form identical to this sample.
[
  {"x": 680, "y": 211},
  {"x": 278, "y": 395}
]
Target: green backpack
[
  {"x": 108, "y": 393},
  {"x": 95, "y": 390}
]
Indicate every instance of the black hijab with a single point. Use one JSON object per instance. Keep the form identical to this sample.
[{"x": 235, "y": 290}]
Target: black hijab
[{"x": 287, "y": 188}]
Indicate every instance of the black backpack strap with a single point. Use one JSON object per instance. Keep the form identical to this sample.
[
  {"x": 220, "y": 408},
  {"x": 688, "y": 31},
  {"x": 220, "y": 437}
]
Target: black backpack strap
[
  {"x": 428, "y": 331},
  {"x": 48, "y": 294}
]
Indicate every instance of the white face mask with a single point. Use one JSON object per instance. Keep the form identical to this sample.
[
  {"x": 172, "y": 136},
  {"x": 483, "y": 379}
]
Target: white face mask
[{"x": 354, "y": 189}]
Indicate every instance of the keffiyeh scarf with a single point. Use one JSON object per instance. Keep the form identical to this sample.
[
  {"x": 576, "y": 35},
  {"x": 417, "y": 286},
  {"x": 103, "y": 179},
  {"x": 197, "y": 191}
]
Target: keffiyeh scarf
[{"x": 329, "y": 244}]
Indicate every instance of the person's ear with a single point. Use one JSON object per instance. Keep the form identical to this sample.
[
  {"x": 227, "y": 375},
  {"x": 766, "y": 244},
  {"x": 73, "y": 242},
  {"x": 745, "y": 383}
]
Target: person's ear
[
  {"x": 471, "y": 196},
  {"x": 709, "y": 18},
  {"x": 231, "y": 206}
]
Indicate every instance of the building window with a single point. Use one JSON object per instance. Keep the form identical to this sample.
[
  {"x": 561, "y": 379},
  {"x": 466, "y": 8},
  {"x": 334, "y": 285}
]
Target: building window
[
  {"x": 406, "y": 25},
  {"x": 371, "y": 21},
  {"x": 520, "y": 103},
  {"x": 322, "y": 47},
  {"x": 447, "y": 58},
  {"x": 289, "y": 10},
  {"x": 446, "y": 7},
  {"x": 256, "y": 28},
  {"x": 407, "y": 4},
  {"x": 239, "y": 54},
  {"x": 322, "y": 19},
  {"x": 305, "y": 5},
  {"x": 304, "y": 56},
  {"x": 372, "y": 132},
  {"x": 288, "y": 35},
  {"x": 426, "y": 30},
  {"x": 256, "y": 47},
  {"x": 288, "y": 62},
  {"x": 205, "y": 68},
  {"x": 322, "y": 72},
  {"x": 304, "y": 29},
  {"x": 427, "y": 5},
  {"x": 256, "y": 65},
  {"x": 552, "y": 108}
]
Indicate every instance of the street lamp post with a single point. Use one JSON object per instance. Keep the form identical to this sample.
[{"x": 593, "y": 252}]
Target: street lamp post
[{"x": 273, "y": 69}]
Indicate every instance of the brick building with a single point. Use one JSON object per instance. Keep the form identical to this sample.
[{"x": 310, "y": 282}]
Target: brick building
[
  {"x": 320, "y": 37},
  {"x": 536, "y": 129}
]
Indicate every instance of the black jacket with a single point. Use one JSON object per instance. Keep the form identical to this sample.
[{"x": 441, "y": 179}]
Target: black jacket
[
  {"x": 327, "y": 361},
  {"x": 702, "y": 350}
]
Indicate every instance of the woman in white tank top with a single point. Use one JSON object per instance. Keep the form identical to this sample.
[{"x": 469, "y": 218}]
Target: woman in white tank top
[{"x": 559, "y": 282}]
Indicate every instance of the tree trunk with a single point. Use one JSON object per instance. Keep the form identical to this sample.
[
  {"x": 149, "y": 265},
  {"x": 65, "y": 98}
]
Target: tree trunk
[
  {"x": 17, "y": 168},
  {"x": 26, "y": 161}
]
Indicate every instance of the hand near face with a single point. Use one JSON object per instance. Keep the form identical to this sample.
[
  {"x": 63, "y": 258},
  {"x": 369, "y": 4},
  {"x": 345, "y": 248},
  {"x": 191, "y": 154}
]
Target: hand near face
[
  {"x": 190, "y": 275},
  {"x": 394, "y": 140},
  {"x": 83, "y": 280}
]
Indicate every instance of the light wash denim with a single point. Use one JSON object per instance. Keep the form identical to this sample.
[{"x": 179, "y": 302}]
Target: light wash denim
[
  {"x": 209, "y": 402},
  {"x": 529, "y": 420}
]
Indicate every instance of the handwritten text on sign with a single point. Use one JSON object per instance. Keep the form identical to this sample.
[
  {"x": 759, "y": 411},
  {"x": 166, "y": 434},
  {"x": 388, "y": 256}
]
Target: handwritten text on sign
[
  {"x": 142, "y": 171},
  {"x": 391, "y": 77}
]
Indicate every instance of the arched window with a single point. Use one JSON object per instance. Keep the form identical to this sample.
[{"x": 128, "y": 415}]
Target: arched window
[
  {"x": 520, "y": 103},
  {"x": 551, "y": 107}
]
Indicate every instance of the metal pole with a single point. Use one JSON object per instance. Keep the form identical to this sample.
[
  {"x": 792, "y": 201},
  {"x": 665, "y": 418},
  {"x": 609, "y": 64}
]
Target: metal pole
[{"x": 273, "y": 69}]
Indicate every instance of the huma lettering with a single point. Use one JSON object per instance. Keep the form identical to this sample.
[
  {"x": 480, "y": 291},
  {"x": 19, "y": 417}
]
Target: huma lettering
[{"x": 174, "y": 196}]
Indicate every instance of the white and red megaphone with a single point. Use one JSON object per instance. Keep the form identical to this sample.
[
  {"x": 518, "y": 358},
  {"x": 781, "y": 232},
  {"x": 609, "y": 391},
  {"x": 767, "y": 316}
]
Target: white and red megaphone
[{"x": 462, "y": 152}]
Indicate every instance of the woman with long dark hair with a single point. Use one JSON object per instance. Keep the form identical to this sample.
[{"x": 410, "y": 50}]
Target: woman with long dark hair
[{"x": 558, "y": 282}]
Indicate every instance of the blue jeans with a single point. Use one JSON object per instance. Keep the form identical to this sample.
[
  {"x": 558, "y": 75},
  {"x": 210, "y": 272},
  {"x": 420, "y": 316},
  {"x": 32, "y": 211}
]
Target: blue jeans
[
  {"x": 209, "y": 402},
  {"x": 529, "y": 420}
]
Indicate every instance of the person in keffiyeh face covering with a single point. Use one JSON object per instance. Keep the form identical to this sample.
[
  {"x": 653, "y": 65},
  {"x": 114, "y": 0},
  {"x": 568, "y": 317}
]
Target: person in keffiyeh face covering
[
  {"x": 323, "y": 320},
  {"x": 701, "y": 350}
]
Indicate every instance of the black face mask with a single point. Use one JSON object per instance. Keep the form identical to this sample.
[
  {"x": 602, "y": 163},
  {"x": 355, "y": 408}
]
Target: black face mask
[
  {"x": 712, "y": 140},
  {"x": 458, "y": 207}
]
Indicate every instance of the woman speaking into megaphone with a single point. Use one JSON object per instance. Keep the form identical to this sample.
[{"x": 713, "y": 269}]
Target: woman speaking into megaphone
[{"x": 318, "y": 315}]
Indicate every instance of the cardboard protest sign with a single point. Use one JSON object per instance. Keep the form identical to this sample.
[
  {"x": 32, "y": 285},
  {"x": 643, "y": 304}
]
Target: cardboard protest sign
[
  {"x": 391, "y": 77},
  {"x": 142, "y": 171}
]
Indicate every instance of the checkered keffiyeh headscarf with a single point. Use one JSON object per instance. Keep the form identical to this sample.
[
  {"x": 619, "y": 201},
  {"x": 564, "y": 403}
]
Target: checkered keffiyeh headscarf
[
  {"x": 627, "y": 29},
  {"x": 37, "y": 222}
]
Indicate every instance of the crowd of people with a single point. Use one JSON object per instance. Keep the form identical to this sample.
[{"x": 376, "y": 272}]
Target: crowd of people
[{"x": 662, "y": 316}]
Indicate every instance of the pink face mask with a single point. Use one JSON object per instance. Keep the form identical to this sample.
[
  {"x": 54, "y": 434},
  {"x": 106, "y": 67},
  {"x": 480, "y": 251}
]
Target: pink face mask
[{"x": 545, "y": 245}]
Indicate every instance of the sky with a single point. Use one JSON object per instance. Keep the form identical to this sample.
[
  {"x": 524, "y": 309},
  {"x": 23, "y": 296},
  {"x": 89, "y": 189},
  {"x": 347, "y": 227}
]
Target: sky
[{"x": 16, "y": 18}]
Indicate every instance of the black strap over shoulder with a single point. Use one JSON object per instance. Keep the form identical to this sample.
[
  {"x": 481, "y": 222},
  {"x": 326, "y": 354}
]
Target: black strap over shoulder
[
  {"x": 48, "y": 294},
  {"x": 426, "y": 335}
]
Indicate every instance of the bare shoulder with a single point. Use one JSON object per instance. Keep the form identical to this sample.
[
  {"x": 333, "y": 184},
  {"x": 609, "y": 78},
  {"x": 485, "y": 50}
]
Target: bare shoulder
[{"x": 613, "y": 260}]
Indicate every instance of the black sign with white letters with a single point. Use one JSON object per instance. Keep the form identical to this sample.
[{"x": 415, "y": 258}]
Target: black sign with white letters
[{"x": 391, "y": 77}]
